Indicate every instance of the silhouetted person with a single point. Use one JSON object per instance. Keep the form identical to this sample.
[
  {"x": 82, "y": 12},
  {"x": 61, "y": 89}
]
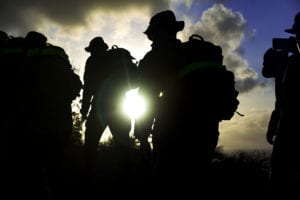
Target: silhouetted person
[
  {"x": 158, "y": 70},
  {"x": 274, "y": 66},
  {"x": 285, "y": 163},
  {"x": 188, "y": 113},
  {"x": 50, "y": 87},
  {"x": 95, "y": 72},
  {"x": 108, "y": 75}
]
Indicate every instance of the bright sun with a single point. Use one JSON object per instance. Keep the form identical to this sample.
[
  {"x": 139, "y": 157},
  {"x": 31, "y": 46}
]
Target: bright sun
[{"x": 134, "y": 104}]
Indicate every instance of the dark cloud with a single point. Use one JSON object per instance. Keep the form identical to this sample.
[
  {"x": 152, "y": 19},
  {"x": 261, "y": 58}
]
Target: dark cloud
[
  {"x": 18, "y": 15},
  {"x": 247, "y": 84}
]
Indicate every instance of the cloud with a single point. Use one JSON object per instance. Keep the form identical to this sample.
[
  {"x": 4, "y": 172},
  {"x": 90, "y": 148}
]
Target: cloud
[
  {"x": 227, "y": 29},
  {"x": 124, "y": 29},
  {"x": 18, "y": 15},
  {"x": 72, "y": 24},
  {"x": 248, "y": 132},
  {"x": 72, "y": 21}
]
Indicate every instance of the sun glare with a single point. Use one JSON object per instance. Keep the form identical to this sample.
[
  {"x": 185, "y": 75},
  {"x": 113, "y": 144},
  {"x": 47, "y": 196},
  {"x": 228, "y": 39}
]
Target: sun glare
[{"x": 134, "y": 104}]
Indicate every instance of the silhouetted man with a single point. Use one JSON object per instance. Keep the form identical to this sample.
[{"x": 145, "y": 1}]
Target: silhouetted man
[
  {"x": 285, "y": 163},
  {"x": 158, "y": 72},
  {"x": 158, "y": 68},
  {"x": 187, "y": 114},
  {"x": 41, "y": 124},
  {"x": 96, "y": 70},
  {"x": 108, "y": 76},
  {"x": 52, "y": 86}
]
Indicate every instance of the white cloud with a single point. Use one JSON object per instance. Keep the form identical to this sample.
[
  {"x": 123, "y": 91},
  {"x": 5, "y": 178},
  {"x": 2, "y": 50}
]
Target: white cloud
[
  {"x": 225, "y": 28},
  {"x": 249, "y": 132}
]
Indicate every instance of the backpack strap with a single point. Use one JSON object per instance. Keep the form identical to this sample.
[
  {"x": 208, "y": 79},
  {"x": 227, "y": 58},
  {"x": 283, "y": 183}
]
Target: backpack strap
[
  {"x": 47, "y": 51},
  {"x": 199, "y": 65},
  {"x": 12, "y": 51},
  {"x": 196, "y": 36}
]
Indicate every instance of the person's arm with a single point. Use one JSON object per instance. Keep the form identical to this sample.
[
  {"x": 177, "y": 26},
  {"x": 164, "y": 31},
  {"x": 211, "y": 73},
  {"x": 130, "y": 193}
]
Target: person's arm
[{"x": 87, "y": 93}]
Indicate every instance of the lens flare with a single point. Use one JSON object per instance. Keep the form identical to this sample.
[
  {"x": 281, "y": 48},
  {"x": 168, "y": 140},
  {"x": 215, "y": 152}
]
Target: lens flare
[{"x": 134, "y": 104}]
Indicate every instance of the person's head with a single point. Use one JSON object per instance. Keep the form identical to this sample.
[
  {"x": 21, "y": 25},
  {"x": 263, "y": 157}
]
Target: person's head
[
  {"x": 162, "y": 25},
  {"x": 296, "y": 27},
  {"x": 35, "y": 39},
  {"x": 97, "y": 44}
]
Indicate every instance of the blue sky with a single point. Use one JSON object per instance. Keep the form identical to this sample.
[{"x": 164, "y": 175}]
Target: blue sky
[
  {"x": 268, "y": 18},
  {"x": 244, "y": 29}
]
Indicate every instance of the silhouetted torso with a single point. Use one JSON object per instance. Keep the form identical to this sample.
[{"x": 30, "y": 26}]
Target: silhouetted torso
[
  {"x": 274, "y": 66},
  {"x": 158, "y": 73},
  {"x": 285, "y": 163},
  {"x": 286, "y": 145}
]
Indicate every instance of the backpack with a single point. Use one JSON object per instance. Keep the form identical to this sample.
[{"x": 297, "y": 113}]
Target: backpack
[
  {"x": 122, "y": 73},
  {"x": 122, "y": 65},
  {"x": 205, "y": 72}
]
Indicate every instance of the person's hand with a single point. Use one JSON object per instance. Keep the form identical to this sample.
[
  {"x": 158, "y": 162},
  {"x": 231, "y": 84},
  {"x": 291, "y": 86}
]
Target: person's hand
[{"x": 270, "y": 137}]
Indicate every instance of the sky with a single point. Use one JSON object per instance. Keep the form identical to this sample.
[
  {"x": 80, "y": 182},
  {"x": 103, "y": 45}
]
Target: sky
[{"x": 244, "y": 30}]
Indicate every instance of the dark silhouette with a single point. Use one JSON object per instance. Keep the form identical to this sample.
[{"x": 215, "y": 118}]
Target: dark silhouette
[
  {"x": 274, "y": 65},
  {"x": 205, "y": 58},
  {"x": 41, "y": 125},
  {"x": 95, "y": 72},
  {"x": 285, "y": 163},
  {"x": 158, "y": 69},
  {"x": 52, "y": 87},
  {"x": 193, "y": 83},
  {"x": 108, "y": 75},
  {"x": 20, "y": 170}
]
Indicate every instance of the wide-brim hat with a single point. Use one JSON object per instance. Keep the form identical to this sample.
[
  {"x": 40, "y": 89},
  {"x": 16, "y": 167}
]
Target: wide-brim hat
[
  {"x": 164, "y": 20},
  {"x": 296, "y": 26},
  {"x": 96, "y": 43}
]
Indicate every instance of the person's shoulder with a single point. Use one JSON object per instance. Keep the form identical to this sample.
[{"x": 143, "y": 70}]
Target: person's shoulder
[
  {"x": 147, "y": 57},
  {"x": 99, "y": 58}
]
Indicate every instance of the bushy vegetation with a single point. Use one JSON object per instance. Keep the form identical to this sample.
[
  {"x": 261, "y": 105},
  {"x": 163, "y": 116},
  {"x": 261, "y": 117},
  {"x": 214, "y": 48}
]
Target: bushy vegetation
[{"x": 243, "y": 172}]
